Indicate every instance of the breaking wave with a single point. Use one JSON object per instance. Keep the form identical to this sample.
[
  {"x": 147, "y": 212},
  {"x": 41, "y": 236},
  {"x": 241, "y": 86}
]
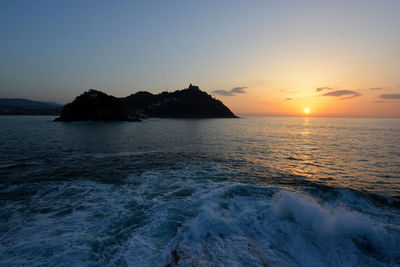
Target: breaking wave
[{"x": 195, "y": 215}]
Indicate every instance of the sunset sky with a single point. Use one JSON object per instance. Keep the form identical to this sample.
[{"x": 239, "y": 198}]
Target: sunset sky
[{"x": 337, "y": 58}]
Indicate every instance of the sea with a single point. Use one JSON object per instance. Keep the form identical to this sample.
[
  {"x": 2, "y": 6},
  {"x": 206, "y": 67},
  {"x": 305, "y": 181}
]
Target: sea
[{"x": 253, "y": 191}]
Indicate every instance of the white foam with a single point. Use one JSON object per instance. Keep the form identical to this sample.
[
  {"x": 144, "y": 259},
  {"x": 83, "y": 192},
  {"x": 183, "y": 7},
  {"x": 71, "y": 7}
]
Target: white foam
[
  {"x": 237, "y": 223},
  {"x": 334, "y": 228},
  {"x": 205, "y": 220}
]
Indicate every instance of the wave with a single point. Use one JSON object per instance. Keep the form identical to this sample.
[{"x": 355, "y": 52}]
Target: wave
[
  {"x": 288, "y": 228},
  {"x": 196, "y": 215}
]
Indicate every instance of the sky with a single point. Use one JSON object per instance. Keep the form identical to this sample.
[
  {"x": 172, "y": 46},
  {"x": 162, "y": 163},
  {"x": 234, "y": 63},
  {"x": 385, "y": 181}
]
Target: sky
[{"x": 337, "y": 58}]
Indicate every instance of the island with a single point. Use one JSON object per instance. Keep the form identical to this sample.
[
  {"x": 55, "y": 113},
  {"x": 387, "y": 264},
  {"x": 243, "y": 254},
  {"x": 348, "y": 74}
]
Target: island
[
  {"x": 97, "y": 106},
  {"x": 187, "y": 103}
]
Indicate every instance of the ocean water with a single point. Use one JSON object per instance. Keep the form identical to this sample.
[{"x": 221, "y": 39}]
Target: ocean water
[{"x": 255, "y": 191}]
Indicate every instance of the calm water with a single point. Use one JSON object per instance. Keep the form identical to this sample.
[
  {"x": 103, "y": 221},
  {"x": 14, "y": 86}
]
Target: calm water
[{"x": 221, "y": 192}]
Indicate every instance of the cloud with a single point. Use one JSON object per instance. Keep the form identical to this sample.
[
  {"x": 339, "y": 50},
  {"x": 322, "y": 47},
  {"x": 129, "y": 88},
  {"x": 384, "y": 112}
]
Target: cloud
[
  {"x": 376, "y": 88},
  {"x": 378, "y": 101},
  {"x": 288, "y": 98},
  {"x": 348, "y": 93},
  {"x": 232, "y": 92},
  {"x": 390, "y": 96},
  {"x": 238, "y": 90},
  {"x": 323, "y": 88},
  {"x": 223, "y": 92}
]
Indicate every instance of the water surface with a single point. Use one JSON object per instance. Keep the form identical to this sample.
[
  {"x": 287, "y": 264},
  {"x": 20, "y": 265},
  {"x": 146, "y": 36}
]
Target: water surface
[{"x": 250, "y": 192}]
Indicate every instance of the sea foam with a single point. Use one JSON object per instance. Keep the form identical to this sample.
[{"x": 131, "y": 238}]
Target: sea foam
[{"x": 195, "y": 215}]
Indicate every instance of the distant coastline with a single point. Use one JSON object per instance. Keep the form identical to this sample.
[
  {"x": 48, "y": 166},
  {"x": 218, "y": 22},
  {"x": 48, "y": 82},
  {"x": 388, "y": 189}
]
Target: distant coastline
[{"x": 21, "y": 106}]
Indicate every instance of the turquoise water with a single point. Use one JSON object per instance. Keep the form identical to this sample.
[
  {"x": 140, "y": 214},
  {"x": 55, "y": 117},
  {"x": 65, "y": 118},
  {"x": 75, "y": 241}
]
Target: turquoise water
[{"x": 253, "y": 191}]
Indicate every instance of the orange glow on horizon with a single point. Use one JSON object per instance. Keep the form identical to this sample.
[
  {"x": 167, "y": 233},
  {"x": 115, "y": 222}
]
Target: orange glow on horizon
[{"x": 305, "y": 101}]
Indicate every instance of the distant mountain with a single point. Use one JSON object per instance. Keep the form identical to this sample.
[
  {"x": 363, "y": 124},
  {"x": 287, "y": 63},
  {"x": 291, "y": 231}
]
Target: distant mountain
[
  {"x": 97, "y": 106},
  {"x": 186, "y": 103},
  {"x": 20, "y": 106}
]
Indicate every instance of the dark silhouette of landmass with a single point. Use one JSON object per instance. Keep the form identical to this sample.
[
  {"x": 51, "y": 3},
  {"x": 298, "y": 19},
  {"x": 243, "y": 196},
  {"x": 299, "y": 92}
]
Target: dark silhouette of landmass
[
  {"x": 19, "y": 106},
  {"x": 97, "y": 106},
  {"x": 186, "y": 103}
]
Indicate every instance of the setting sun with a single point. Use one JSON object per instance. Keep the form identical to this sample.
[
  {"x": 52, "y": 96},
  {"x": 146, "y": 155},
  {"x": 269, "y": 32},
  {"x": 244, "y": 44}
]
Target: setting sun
[{"x": 306, "y": 110}]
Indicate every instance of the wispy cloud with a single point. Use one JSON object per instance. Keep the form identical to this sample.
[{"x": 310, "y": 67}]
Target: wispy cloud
[
  {"x": 288, "y": 98},
  {"x": 238, "y": 90},
  {"x": 348, "y": 93},
  {"x": 223, "y": 92},
  {"x": 376, "y": 88},
  {"x": 232, "y": 92},
  {"x": 390, "y": 96},
  {"x": 378, "y": 101},
  {"x": 323, "y": 88}
]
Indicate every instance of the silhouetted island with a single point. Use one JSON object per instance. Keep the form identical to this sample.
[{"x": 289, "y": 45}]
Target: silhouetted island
[
  {"x": 186, "y": 103},
  {"x": 97, "y": 106}
]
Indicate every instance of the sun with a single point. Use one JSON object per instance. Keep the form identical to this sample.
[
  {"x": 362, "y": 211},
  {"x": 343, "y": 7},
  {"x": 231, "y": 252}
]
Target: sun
[{"x": 306, "y": 110}]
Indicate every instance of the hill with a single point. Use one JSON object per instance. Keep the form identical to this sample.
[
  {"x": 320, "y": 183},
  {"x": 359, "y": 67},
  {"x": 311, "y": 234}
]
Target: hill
[
  {"x": 20, "y": 106},
  {"x": 97, "y": 106},
  {"x": 186, "y": 103}
]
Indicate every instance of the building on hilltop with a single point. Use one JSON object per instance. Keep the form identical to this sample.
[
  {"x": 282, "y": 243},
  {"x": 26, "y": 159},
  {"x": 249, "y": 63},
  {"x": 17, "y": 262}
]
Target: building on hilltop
[{"x": 193, "y": 87}]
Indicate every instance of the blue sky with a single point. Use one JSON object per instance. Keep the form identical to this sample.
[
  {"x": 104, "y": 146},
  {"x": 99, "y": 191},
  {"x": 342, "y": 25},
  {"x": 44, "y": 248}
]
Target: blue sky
[{"x": 54, "y": 50}]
